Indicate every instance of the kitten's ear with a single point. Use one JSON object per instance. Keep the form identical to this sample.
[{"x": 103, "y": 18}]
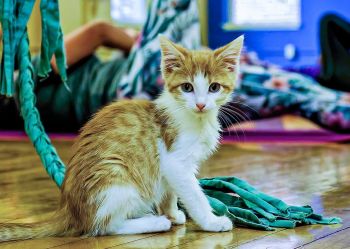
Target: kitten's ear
[
  {"x": 230, "y": 53},
  {"x": 172, "y": 54}
]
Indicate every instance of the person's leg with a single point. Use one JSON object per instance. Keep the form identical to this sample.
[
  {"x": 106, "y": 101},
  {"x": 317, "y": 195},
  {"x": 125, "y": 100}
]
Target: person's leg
[
  {"x": 86, "y": 39},
  {"x": 67, "y": 110}
]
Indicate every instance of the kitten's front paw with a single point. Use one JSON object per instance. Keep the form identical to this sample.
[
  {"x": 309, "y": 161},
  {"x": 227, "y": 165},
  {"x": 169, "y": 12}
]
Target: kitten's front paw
[
  {"x": 217, "y": 224},
  {"x": 178, "y": 218},
  {"x": 164, "y": 223}
]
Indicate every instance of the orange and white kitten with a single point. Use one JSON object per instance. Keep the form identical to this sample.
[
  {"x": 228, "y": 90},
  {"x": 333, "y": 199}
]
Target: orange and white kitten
[{"x": 135, "y": 158}]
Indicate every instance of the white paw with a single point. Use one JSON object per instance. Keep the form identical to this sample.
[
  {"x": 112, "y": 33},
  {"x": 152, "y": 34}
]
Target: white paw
[
  {"x": 178, "y": 218},
  {"x": 163, "y": 223},
  {"x": 217, "y": 224}
]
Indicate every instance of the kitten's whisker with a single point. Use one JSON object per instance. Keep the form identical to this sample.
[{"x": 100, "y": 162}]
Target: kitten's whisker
[
  {"x": 228, "y": 115},
  {"x": 239, "y": 116},
  {"x": 230, "y": 123},
  {"x": 239, "y": 123},
  {"x": 236, "y": 120},
  {"x": 245, "y": 105},
  {"x": 223, "y": 119},
  {"x": 240, "y": 113},
  {"x": 226, "y": 122},
  {"x": 242, "y": 118},
  {"x": 240, "y": 126}
]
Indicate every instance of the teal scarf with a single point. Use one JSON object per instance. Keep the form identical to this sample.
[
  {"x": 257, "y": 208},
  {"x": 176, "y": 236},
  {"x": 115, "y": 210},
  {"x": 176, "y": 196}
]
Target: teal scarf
[{"x": 248, "y": 207}]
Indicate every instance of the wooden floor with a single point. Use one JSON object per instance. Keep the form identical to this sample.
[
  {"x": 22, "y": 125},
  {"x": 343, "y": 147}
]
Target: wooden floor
[{"x": 302, "y": 174}]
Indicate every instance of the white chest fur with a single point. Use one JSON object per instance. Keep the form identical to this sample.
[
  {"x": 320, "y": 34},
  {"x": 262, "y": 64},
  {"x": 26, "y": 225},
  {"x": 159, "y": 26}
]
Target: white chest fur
[
  {"x": 192, "y": 146},
  {"x": 196, "y": 147}
]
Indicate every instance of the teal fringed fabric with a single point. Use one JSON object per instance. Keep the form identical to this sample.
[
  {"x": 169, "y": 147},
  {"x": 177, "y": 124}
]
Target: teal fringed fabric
[
  {"x": 35, "y": 130},
  {"x": 52, "y": 40},
  {"x": 14, "y": 16},
  {"x": 248, "y": 207}
]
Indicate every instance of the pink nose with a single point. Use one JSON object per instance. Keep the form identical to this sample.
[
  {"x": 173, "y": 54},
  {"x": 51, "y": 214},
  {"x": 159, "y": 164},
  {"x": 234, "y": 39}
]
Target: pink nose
[{"x": 200, "y": 106}]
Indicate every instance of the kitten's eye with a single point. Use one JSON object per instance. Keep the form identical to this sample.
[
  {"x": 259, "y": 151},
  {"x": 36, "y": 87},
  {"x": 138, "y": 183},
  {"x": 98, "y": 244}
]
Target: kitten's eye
[
  {"x": 187, "y": 87},
  {"x": 214, "y": 87}
]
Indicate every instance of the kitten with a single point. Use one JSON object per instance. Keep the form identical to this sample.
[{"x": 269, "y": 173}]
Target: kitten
[{"x": 135, "y": 158}]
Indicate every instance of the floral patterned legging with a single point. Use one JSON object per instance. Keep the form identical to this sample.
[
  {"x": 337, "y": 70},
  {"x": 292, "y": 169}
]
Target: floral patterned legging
[{"x": 271, "y": 91}]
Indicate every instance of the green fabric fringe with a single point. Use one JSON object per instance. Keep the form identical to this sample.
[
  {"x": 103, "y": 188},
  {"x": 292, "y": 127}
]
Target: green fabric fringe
[
  {"x": 248, "y": 207},
  {"x": 13, "y": 17},
  {"x": 52, "y": 40},
  {"x": 33, "y": 126}
]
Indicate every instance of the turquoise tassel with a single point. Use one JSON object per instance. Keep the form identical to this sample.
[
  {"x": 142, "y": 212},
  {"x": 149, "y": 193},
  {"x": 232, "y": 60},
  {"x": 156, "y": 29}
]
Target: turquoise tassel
[{"x": 14, "y": 16}]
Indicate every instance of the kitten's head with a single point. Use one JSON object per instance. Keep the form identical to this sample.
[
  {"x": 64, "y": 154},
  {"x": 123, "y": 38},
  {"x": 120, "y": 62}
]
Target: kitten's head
[{"x": 200, "y": 81}]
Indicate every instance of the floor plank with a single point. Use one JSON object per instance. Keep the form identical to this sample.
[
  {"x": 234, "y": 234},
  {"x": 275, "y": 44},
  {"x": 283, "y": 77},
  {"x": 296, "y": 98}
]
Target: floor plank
[
  {"x": 104, "y": 242},
  {"x": 337, "y": 240},
  {"x": 228, "y": 240},
  {"x": 299, "y": 174},
  {"x": 39, "y": 243},
  {"x": 293, "y": 238},
  {"x": 178, "y": 235}
]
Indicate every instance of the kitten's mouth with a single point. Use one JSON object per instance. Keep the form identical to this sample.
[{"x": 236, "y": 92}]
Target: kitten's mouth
[{"x": 200, "y": 111}]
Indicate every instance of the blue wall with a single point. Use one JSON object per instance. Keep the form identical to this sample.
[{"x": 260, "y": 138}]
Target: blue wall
[{"x": 270, "y": 44}]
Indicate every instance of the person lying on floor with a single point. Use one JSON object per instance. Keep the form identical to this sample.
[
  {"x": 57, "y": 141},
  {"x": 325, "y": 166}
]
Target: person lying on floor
[
  {"x": 55, "y": 102},
  {"x": 93, "y": 83}
]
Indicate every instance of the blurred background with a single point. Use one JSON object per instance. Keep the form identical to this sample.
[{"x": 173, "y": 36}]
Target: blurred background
[
  {"x": 123, "y": 13},
  {"x": 280, "y": 31},
  {"x": 284, "y": 32},
  {"x": 295, "y": 60}
]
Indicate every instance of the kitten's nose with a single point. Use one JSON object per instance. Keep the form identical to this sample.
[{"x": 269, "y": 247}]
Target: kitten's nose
[{"x": 200, "y": 106}]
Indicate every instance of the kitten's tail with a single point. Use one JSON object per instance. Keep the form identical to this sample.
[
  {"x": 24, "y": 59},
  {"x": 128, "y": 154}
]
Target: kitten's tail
[{"x": 53, "y": 226}]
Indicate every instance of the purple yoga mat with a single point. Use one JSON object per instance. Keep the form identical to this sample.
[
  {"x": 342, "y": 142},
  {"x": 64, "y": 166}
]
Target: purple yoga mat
[
  {"x": 259, "y": 135},
  {"x": 301, "y": 136},
  {"x": 21, "y": 135}
]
